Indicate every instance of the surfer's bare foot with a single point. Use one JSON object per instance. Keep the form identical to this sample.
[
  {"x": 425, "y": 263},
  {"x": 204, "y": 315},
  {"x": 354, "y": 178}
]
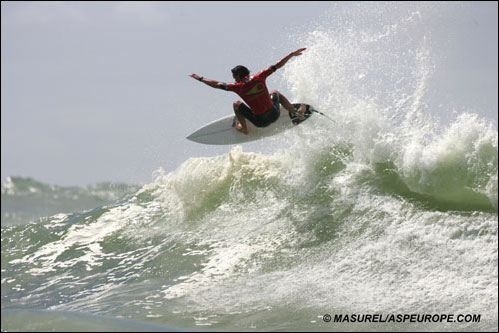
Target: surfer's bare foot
[
  {"x": 241, "y": 129},
  {"x": 300, "y": 113}
]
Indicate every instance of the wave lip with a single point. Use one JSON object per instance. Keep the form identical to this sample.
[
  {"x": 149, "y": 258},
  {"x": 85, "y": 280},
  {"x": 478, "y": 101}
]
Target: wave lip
[{"x": 458, "y": 167}]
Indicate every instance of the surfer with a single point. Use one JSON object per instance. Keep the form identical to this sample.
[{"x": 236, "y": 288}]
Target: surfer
[{"x": 263, "y": 107}]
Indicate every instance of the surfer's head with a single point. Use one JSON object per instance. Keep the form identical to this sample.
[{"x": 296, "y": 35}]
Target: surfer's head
[{"x": 239, "y": 72}]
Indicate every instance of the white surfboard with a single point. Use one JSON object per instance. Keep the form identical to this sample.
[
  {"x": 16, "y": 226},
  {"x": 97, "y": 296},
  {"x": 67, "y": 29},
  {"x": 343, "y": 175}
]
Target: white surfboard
[{"x": 223, "y": 131}]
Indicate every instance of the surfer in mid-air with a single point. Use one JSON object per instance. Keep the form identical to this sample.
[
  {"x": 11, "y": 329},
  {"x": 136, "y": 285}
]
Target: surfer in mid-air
[{"x": 263, "y": 107}]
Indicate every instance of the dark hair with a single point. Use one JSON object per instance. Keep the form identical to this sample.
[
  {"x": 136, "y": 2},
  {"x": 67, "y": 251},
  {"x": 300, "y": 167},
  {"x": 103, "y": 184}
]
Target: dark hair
[{"x": 240, "y": 70}]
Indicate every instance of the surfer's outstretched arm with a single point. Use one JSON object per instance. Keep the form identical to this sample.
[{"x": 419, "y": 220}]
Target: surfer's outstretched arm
[
  {"x": 284, "y": 60},
  {"x": 211, "y": 83}
]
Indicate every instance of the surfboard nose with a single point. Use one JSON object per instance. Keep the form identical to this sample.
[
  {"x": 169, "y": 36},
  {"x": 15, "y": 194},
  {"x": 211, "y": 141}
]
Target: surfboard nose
[{"x": 192, "y": 137}]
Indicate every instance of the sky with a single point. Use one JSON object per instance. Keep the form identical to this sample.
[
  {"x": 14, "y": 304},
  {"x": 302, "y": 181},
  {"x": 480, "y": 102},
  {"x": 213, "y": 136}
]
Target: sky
[{"x": 99, "y": 91}]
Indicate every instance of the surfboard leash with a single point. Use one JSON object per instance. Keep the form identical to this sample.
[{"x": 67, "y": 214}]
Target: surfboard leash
[{"x": 322, "y": 114}]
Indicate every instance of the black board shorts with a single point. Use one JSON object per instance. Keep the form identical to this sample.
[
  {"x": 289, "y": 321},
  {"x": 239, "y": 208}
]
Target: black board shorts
[{"x": 263, "y": 119}]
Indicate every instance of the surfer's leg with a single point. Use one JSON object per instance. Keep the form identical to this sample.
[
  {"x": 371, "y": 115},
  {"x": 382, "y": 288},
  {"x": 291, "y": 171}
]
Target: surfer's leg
[
  {"x": 241, "y": 125},
  {"x": 288, "y": 106}
]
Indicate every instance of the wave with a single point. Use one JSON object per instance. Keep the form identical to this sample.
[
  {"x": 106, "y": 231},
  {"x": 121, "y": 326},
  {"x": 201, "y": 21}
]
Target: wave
[
  {"x": 387, "y": 210},
  {"x": 249, "y": 232}
]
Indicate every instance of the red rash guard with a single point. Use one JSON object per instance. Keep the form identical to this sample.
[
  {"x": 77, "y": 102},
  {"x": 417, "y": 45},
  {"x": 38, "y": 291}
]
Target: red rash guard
[{"x": 253, "y": 90}]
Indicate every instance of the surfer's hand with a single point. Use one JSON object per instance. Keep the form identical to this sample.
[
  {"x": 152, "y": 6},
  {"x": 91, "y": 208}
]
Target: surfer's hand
[
  {"x": 195, "y": 76},
  {"x": 298, "y": 52}
]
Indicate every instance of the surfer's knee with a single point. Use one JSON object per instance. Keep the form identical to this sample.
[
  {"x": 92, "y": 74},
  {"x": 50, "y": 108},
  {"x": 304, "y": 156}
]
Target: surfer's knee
[
  {"x": 281, "y": 96},
  {"x": 236, "y": 105}
]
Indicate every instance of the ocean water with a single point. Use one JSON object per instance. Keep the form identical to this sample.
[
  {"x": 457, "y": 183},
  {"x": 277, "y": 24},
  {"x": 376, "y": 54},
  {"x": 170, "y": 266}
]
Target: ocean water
[
  {"x": 386, "y": 210},
  {"x": 25, "y": 199}
]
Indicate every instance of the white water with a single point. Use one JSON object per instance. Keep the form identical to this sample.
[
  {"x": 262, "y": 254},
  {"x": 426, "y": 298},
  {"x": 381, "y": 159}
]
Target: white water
[{"x": 388, "y": 210}]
